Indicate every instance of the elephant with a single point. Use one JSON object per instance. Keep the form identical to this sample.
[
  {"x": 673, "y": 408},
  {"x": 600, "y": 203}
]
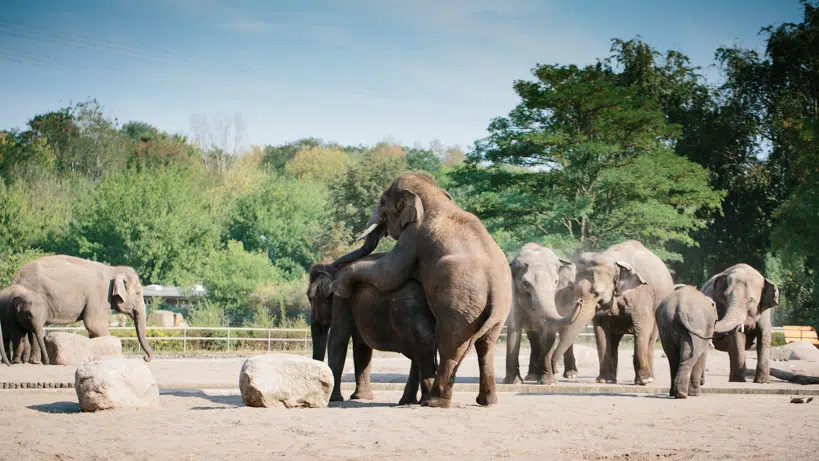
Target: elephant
[
  {"x": 398, "y": 321},
  {"x": 626, "y": 283},
  {"x": 743, "y": 297},
  {"x": 465, "y": 275},
  {"x": 14, "y": 338},
  {"x": 66, "y": 289},
  {"x": 543, "y": 296},
  {"x": 686, "y": 320}
]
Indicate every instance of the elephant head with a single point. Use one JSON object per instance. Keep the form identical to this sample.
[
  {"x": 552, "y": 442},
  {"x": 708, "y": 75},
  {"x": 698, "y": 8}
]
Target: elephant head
[
  {"x": 608, "y": 279},
  {"x": 403, "y": 204},
  {"x": 741, "y": 294},
  {"x": 319, "y": 293},
  {"x": 537, "y": 276},
  {"x": 126, "y": 297}
]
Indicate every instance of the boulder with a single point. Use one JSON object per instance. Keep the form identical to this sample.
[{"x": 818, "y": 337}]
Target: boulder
[
  {"x": 283, "y": 380},
  {"x": 162, "y": 318},
  {"x": 115, "y": 382},
  {"x": 72, "y": 349},
  {"x": 803, "y": 350}
]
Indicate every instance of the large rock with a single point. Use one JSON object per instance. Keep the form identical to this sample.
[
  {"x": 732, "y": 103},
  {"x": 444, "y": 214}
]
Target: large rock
[
  {"x": 283, "y": 380},
  {"x": 72, "y": 349},
  {"x": 803, "y": 350},
  {"x": 161, "y": 318},
  {"x": 115, "y": 382}
]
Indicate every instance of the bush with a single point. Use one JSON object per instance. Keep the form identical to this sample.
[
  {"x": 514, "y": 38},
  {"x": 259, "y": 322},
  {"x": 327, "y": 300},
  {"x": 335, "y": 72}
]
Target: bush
[
  {"x": 777, "y": 339},
  {"x": 10, "y": 263}
]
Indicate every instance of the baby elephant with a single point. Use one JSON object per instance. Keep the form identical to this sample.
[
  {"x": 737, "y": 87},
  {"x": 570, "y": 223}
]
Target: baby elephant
[
  {"x": 686, "y": 320},
  {"x": 398, "y": 321}
]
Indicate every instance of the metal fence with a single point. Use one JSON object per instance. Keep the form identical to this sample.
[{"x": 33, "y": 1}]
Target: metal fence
[{"x": 232, "y": 339}]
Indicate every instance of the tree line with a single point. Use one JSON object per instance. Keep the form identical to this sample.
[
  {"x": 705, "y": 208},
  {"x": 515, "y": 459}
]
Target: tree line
[{"x": 635, "y": 146}]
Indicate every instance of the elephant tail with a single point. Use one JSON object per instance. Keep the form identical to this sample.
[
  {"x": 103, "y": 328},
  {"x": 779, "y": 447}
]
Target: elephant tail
[
  {"x": 684, "y": 317},
  {"x": 493, "y": 315}
]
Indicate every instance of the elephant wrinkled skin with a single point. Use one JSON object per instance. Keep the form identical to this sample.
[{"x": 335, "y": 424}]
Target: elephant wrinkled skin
[
  {"x": 686, "y": 320},
  {"x": 398, "y": 321},
  {"x": 465, "y": 275},
  {"x": 66, "y": 289},
  {"x": 16, "y": 341},
  {"x": 543, "y": 297},
  {"x": 744, "y": 298}
]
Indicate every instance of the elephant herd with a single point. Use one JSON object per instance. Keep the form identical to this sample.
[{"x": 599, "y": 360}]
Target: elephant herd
[{"x": 445, "y": 287}]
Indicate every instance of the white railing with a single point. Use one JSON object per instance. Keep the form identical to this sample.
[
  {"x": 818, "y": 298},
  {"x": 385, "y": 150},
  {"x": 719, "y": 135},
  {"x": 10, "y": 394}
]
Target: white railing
[{"x": 229, "y": 334}]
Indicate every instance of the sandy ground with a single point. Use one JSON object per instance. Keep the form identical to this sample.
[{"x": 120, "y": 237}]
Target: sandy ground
[{"x": 214, "y": 424}]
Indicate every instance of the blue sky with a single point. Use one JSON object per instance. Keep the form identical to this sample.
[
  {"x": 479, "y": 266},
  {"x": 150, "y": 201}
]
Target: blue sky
[{"x": 351, "y": 71}]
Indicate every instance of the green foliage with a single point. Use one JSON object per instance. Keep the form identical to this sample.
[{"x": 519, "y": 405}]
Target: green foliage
[
  {"x": 10, "y": 263},
  {"x": 423, "y": 159},
  {"x": 777, "y": 339},
  {"x": 317, "y": 163}
]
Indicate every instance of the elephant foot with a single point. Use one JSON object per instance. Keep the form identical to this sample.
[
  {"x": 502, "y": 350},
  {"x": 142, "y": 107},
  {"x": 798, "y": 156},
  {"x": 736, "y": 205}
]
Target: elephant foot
[
  {"x": 334, "y": 397},
  {"x": 513, "y": 380},
  {"x": 762, "y": 379},
  {"x": 736, "y": 379},
  {"x": 408, "y": 401},
  {"x": 570, "y": 374},
  {"x": 362, "y": 395},
  {"x": 694, "y": 392},
  {"x": 643, "y": 381},
  {"x": 436, "y": 402},
  {"x": 606, "y": 380},
  {"x": 548, "y": 379},
  {"x": 488, "y": 399},
  {"x": 532, "y": 377},
  {"x": 680, "y": 395}
]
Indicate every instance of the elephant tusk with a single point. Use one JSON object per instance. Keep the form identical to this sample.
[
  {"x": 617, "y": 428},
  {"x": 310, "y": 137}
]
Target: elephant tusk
[
  {"x": 742, "y": 328},
  {"x": 366, "y": 232}
]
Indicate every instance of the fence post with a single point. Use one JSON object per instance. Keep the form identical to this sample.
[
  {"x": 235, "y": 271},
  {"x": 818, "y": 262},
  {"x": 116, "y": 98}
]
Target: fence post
[
  {"x": 305, "y": 341},
  {"x": 184, "y": 340},
  {"x": 268, "y": 339},
  {"x": 228, "y": 338}
]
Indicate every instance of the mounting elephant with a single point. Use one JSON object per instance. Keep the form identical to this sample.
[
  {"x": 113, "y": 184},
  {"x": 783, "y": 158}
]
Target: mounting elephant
[
  {"x": 626, "y": 283},
  {"x": 465, "y": 275},
  {"x": 686, "y": 320},
  {"x": 543, "y": 300},
  {"x": 743, "y": 297},
  {"x": 14, "y": 337},
  {"x": 66, "y": 289},
  {"x": 397, "y": 321}
]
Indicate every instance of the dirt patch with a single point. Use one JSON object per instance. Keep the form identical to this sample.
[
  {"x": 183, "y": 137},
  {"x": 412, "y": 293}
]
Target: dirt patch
[{"x": 203, "y": 425}]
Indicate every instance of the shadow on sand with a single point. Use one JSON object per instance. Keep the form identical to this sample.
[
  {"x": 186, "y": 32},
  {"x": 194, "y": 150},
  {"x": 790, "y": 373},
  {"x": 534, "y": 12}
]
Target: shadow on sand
[
  {"x": 226, "y": 401},
  {"x": 57, "y": 407}
]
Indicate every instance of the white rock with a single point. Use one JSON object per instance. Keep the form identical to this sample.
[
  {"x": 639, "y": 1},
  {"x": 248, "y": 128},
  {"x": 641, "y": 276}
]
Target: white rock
[
  {"x": 283, "y": 380},
  {"x": 115, "y": 382},
  {"x": 72, "y": 349},
  {"x": 803, "y": 350}
]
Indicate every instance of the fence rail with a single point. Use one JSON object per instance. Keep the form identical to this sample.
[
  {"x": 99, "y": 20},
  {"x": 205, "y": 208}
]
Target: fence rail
[{"x": 232, "y": 339}]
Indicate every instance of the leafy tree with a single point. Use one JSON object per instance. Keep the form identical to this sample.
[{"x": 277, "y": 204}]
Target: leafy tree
[
  {"x": 276, "y": 157},
  {"x": 585, "y": 157},
  {"x": 317, "y": 163},
  {"x": 423, "y": 159}
]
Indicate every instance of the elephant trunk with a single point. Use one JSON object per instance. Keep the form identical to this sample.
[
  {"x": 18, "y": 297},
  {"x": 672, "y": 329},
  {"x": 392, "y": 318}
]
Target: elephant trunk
[
  {"x": 549, "y": 307},
  {"x": 584, "y": 312},
  {"x": 734, "y": 317},
  {"x": 371, "y": 240},
  {"x": 139, "y": 324}
]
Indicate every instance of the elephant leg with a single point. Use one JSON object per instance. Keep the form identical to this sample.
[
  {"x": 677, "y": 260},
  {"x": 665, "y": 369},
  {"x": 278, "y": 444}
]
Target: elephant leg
[
  {"x": 642, "y": 349},
  {"x": 337, "y": 341},
  {"x": 426, "y": 360},
  {"x": 697, "y": 372},
  {"x": 452, "y": 353},
  {"x": 512, "y": 351},
  {"x": 33, "y": 351},
  {"x": 736, "y": 354},
  {"x": 536, "y": 356},
  {"x": 485, "y": 348},
  {"x": 362, "y": 359},
  {"x": 610, "y": 360},
  {"x": 763, "y": 344},
  {"x": 672, "y": 353},
  {"x": 547, "y": 344},
  {"x": 569, "y": 363},
  {"x": 21, "y": 349},
  {"x": 411, "y": 388},
  {"x": 685, "y": 370},
  {"x": 602, "y": 340}
]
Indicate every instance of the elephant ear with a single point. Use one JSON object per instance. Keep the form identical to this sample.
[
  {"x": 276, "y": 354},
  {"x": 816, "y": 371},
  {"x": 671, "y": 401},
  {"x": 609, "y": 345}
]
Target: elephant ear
[
  {"x": 567, "y": 271},
  {"x": 18, "y": 303},
  {"x": 627, "y": 279},
  {"x": 118, "y": 288},
  {"x": 410, "y": 209},
  {"x": 770, "y": 296}
]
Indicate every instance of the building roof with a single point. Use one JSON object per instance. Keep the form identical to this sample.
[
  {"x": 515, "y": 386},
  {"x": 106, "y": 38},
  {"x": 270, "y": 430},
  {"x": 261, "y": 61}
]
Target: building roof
[{"x": 150, "y": 291}]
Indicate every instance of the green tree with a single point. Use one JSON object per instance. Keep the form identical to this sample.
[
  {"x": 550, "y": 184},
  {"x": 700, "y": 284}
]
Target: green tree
[
  {"x": 317, "y": 163},
  {"x": 423, "y": 159},
  {"x": 586, "y": 157}
]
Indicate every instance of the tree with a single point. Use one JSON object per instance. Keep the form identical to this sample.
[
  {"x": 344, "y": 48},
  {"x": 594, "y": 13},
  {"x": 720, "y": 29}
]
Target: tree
[
  {"x": 317, "y": 163},
  {"x": 423, "y": 159},
  {"x": 276, "y": 157},
  {"x": 586, "y": 157}
]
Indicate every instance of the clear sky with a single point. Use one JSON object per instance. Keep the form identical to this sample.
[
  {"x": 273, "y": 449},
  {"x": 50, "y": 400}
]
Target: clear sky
[{"x": 350, "y": 71}]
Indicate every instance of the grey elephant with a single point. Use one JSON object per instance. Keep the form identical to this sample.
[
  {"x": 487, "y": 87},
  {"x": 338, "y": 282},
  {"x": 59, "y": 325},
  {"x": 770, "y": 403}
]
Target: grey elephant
[
  {"x": 397, "y": 321},
  {"x": 15, "y": 340},
  {"x": 66, "y": 289},
  {"x": 543, "y": 298},
  {"x": 744, "y": 298},
  {"x": 686, "y": 320},
  {"x": 625, "y": 283},
  {"x": 464, "y": 274}
]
